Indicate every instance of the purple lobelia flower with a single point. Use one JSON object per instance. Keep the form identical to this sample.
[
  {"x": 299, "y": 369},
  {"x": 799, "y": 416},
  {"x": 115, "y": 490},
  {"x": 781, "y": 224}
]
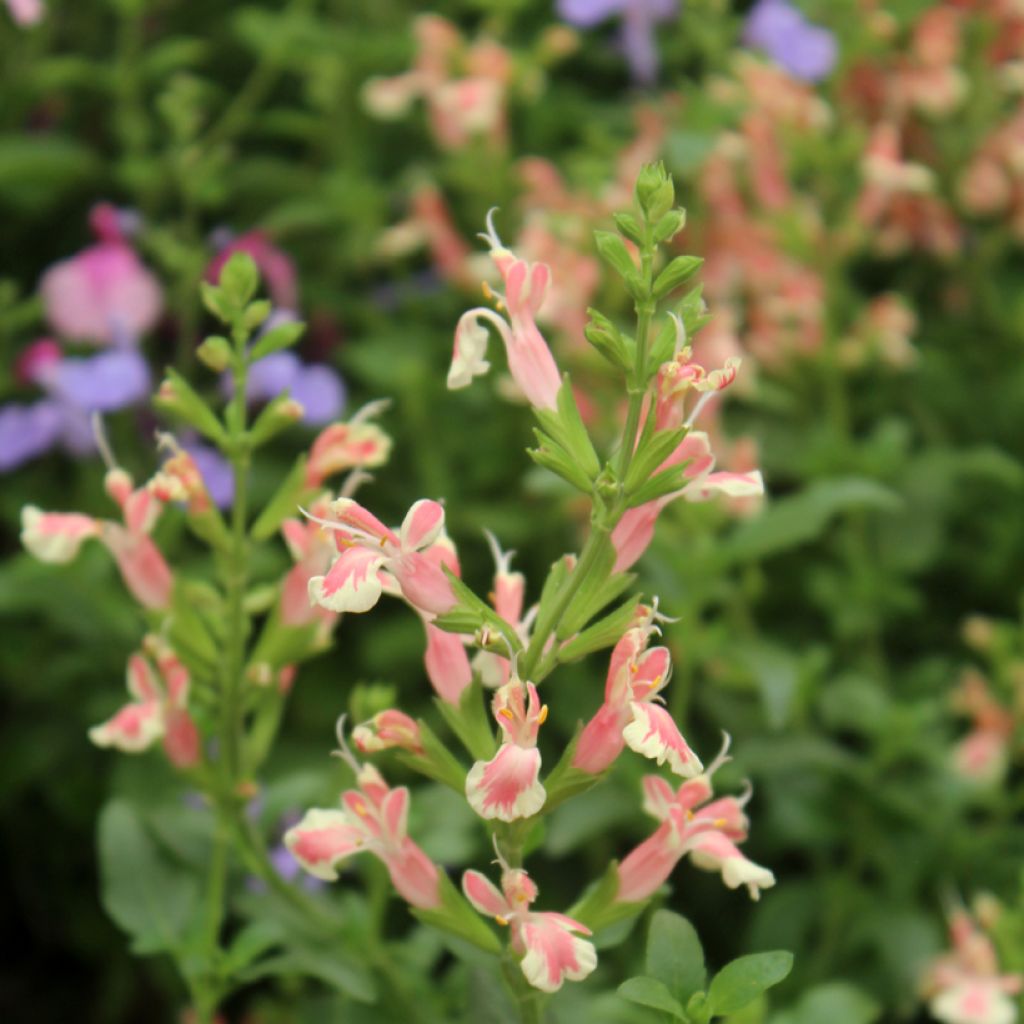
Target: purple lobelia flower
[
  {"x": 639, "y": 18},
  {"x": 75, "y": 388},
  {"x": 806, "y": 51}
]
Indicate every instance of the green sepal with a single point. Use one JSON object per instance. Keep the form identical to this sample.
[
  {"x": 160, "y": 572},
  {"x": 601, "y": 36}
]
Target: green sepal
[
  {"x": 680, "y": 270},
  {"x": 564, "y": 781},
  {"x": 613, "y": 250},
  {"x": 436, "y": 762},
  {"x": 618, "y": 349},
  {"x": 290, "y": 494},
  {"x": 651, "y": 452},
  {"x": 555, "y": 580},
  {"x": 470, "y": 723},
  {"x": 280, "y": 644},
  {"x": 471, "y": 614},
  {"x": 215, "y": 352},
  {"x": 277, "y": 338},
  {"x": 597, "y": 908},
  {"x": 281, "y": 412},
  {"x": 457, "y": 916},
  {"x": 179, "y": 398},
  {"x": 550, "y": 455},
  {"x": 188, "y": 630},
  {"x": 629, "y": 226},
  {"x": 655, "y": 192},
  {"x": 669, "y": 226},
  {"x": 604, "y": 633},
  {"x": 239, "y": 279},
  {"x": 668, "y": 481},
  {"x": 663, "y": 348},
  {"x": 565, "y": 427},
  {"x": 693, "y": 310}
]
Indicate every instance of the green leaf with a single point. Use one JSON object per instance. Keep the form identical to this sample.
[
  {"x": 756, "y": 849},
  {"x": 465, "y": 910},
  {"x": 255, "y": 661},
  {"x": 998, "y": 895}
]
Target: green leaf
[
  {"x": 609, "y": 341},
  {"x": 651, "y": 993},
  {"x": 792, "y": 521},
  {"x": 629, "y": 226},
  {"x": 248, "y": 945},
  {"x": 554, "y": 457},
  {"x": 215, "y": 352},
  {"x": 650, "y": 454},
  {"x": 674, "y": 955},
  {"x": 326, "y": 964},
  {"x": 277, "y": 338},
  {"x": 746, "y": 978},
  {"x": 239, "y": 279},
  {"x": 179, "y": 398},
  {"x": 680, "y": 270},
  {"x": 837, "y": 1002},
  {"x": 590, "y": 600},
  {"x": 146, "y": 894}
]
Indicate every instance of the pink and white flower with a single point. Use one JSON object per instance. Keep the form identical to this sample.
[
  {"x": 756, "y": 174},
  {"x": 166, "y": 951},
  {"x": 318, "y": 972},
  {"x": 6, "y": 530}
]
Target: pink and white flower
[
  {"x": 530, "y": 361},
  {"x": 632, "y": 713},
  {"x": 965, "y": 986},
  {"x": 158, "y": 712},
  {"x": 387, "y": 729},
  {"x": 507, "y": 598},
  {"x": 371, "y": 555},
  {"x": 356, "y": 444},
  {"x": 57, "y": 537},
  {"x": 373, "y": 819},
  {"x": 635, "y": 530},
  {"x": 549, "y": 943},
  {"x": 690, "y": 824},
  {"x": 508, "y": 786}
]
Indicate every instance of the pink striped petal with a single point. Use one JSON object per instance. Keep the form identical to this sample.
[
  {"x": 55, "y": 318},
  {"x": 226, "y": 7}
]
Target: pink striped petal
[
  {"x": 181, "y": 739},
  {"x": 422, "y": 525},
  {"x": 350, "y": 513},
  {"x": 647, "y": 867},
  {"x": 654, "y": 734},
  {"x": 485, "y": 895},
  {"x": 344, "y": 446},
  {"x": 447, "y": 664},
  {"x": 735, "y": 485},
  {"x": 395, "y": 814},
  {"x": 413, "y": 874},
  {"x": 322, "y": 840},
  {"x": 143, "y": 568},
  {"x": 601, "y": 741},
  {"x": 634, "y": 532},
  {"x": 424, "y": 585},
  {"x": 55, "y": 537},
  {"x": 142, "y": 682},
  {"x": 351, "y": 584},
  {"x": 727, "y": 816},
  {"x": 506, "y": 787},
  {"x": 134, "y": 728},
  {"x": 552, "y": 953},
  {"x": 713, "y": 851},
  {"x": 141, "y": 510},
  {"x": 659, "y": 796}
]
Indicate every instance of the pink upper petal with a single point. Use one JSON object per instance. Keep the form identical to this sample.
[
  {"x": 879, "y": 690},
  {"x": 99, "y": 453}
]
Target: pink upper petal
[
  {"x": 647, "y": 867},
  {"x": 654, "y": 734},
  {"x": 352, "y": 583},
  {"x": 485, "y": 895},
  {"x": 143, "y": 568},
  {"x": 447, "y": 664},
  {"x": 422, "y": 525},
  {"x": 394, "y": 815},
  {"x": 601, "y": 741},
  {"x": 413, "y": 874},
  {"x": 424, "y": 585},
  {"x": 658, "y": 796},
  {"x": 142, "y": 681},
  {"x": 322, "y": 840}
]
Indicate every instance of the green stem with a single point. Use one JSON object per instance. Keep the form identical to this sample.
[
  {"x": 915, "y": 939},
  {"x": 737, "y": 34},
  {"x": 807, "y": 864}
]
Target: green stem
[{"x": 216, "y": 884}]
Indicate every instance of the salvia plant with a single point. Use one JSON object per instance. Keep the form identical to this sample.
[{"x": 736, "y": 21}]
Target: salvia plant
[{"x": 221, "y": 648}]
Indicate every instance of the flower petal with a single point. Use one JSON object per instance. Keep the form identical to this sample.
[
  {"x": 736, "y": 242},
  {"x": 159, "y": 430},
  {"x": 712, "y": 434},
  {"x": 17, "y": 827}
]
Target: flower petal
[
  {"x": 654, "y": 734},
  {"x": 714, "y": 851},
  {"x": 322, "y": 840},
  {"x": 471, "y": 346},
  {"x": 485, "y": 895},
  {"x": 507, "y": 786},
  {"x": 352, "y": 583},
  {"x": 553, "y": 953},
  {"x": 55, "y": 537},
  {"x": 134, "y": 728},
  {"x": 422, "y": 525}
]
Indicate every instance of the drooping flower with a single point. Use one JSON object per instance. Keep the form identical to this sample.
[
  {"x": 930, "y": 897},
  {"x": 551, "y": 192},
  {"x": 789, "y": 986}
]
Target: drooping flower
[
  {"x": 639, "y": 20},
  {"x": 387, "y": 729},
  {"x": 548, "y": 943},
  {"x": 691, "y": 825},
  {"x": 632, "y": 713},
  {"x": 530, "y": 361},
  {"x": 355, "y": 444},
  {"x": 508, "y": 786},
  {"x": 312, "y": 548},
  {"x": 56, "y": 537},
  {"x": 805, "y": 50},
  {"x": 965, "y": 986},
  {"x": 75, "y": 389},
  {"x": 159, "y": 710},
  {"x": 373, "y": 819},
  {"x": 104, "y": 294},
  {"x": 367, "y": 549}
]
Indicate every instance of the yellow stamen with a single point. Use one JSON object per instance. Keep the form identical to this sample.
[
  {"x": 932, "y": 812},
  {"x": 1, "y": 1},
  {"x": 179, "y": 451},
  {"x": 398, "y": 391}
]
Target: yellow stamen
[
  {"x": 360, "y": 808},
  {"x": 543, "y": 716},
  {"x": 506, "y": 713},
  {"x": 501, "y": 920},
  {"x": 720, "y": 822},
  {"x": 689, "y": 815}
]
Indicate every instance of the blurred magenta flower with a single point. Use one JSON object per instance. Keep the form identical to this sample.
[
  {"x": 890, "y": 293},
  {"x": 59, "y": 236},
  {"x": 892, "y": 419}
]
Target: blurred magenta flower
[
  {"x": 637, "y": 33},
  {"x": 805, "y": 50},
  {"x": 275, "y": 266},
  {"x": 104, "y": 294},
  {"x": 75, "y": 389}
]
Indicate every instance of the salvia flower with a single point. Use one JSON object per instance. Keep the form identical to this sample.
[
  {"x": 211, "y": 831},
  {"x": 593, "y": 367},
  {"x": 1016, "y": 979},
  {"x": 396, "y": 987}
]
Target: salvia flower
[
  {"x": 75, "y": 389},
  {"x": 549, "y": 944},
  {"x": 694, "y": 825},
  {"x": 355, "y": 444},
  {"x": 373, "y": 819},
  {"x": 965, "y": 986},
  {"x": 506, "y": 597},
  {"x": 367, "y": 549},
  {"x": 159, "y": 710},
  {"x": 639, "y": 20},
  {"x": 632, "y": 713},
  {"x": 104, "y": 294},
  {"x": 530, "y": 361},
  {"x": 57, "y": 537},
  {"x": 806, "y": 51},
  {"x": 508, "y": 786},
  {"x": 388, "y": 729}
]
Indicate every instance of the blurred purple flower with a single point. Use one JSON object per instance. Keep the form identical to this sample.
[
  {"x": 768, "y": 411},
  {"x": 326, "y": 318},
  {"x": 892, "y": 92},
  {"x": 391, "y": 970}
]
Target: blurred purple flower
[
  {"x": 75, "y": 389},
  {"x": 637, "y": 33},
  {"x": 216, "y": 471},
  {"x": 806, "y": 51}
]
